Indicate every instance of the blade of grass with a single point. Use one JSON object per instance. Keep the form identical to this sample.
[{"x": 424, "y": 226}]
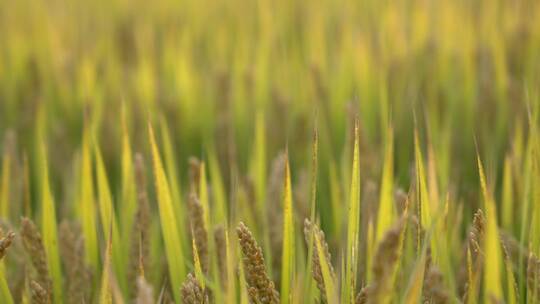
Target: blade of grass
[
  {"x": 507, "y": 196},
  {"x": 203, "y": 195},
  {"x": 5, "y": 293},
  {"x": 414, "y": 290},
  {"x": 108, "y": 218},
  {"x": 220, "y": 213},
  {"x": 386, "y": 214},
  {"x": 197, "y": 263},
  {"x": 168, "y": 220},
  {"x": 353, "y": 225},
  {"x": 288, "y": 249},
  {"x": 49, "y": 229},
  {"x": 492, "y": 247},
  {"x": 87, "y": 211},
  {"x": 328, "y": 278},
  {"x": 127, "y": 202},
  {"x": 5, "y": 186},
  {"x": 105, "y": 294}
]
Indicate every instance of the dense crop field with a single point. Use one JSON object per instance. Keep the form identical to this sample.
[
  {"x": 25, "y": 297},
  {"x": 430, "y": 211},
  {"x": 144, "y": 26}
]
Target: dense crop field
[{"x": 269, "y": 151}]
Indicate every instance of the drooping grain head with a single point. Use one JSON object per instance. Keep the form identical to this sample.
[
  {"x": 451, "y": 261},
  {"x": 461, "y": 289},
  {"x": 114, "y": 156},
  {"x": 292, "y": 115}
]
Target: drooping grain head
[
  {"x": 474, "y": 245},
  {"x": 5, "y": 242},
  {"x": 33, "y": 245},
  {"x": 221, "y": 252},
  {"x": 434, "y": 290},
  {"x": 533, "y": 276},
  {"x": 476, "y": 232},
  {"x": 39, "y": 294},
  {"x": 192, "y": 292},
  {"x": 259, "y": 284},
  {"x": 77, "y": 272},
  {"x": 384, "y": 263},
  {"x": 200, "y": 235}
]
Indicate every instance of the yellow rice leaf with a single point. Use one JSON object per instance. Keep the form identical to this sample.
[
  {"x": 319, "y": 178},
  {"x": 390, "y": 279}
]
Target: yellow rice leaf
[
  {"x": 49, "y": 229},
  {"x": 5, "y": 293},
  {"x": 471, "y": 280},
  {"x": 5, "y": 186},
  {"x": 127, "y": 202},
  {"x": 168, "y": 220},
  {"x": 507, "y": 196},
  {"x": 328, "y": 278},
  {"x": 105, "y": 294},
  {"x": 108, "y": 217},
  {"x": 511, "y": 297},
  {"x": 425, "y": 208},
  {"x": 386, "y": 214},
  {"x": 197, "y": 262},
  {"x": 203, "y": 196},
  {"x": 492, "y": 247},
  {"x": 288, "y": 249},
  {"x": 353, "y": 224},
  {"x": 414, "y": 291},
  {"x": 87, "y": 210},
  {"x": 220, "y": 213}
]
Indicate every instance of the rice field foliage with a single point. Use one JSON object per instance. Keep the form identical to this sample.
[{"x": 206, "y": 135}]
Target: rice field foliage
[{"x": 237, "y": 151}]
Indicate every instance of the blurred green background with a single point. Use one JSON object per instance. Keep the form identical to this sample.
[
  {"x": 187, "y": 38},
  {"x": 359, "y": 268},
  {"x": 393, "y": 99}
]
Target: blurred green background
[{"x": 210, "y": 70}]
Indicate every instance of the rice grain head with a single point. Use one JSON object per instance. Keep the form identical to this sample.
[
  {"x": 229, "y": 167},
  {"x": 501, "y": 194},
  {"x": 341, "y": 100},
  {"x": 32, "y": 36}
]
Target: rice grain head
[
  {"x": 384, "y": 263},
  {"x": 434, "y": 290},
  {"x": 33, "y": 245},
  {"x": 260, "y": 287},
  {"x": 221, "y": 252},
  {"x": 39, "y": 294},
  {"x": 5, "y": 242},
  {"x": 192, "y": 291},
  {"x": 200, "y": 235},
  {"x": 77, "y": 273}
]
